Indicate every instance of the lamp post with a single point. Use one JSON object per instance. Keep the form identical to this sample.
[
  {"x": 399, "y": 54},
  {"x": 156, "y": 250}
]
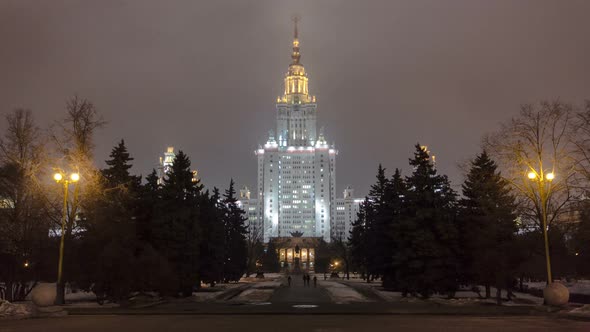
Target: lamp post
[
  {"x": 543, "y": 181},
  {"x": 66, "y": 180}
]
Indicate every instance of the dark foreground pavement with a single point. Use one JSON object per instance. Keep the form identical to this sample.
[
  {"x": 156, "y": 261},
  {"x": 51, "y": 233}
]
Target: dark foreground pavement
[{"x": 286, "y": 323}]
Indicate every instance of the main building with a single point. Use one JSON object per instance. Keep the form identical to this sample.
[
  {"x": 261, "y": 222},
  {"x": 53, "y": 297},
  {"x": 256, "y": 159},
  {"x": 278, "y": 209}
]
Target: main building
[{"x": 296, "y": 202}]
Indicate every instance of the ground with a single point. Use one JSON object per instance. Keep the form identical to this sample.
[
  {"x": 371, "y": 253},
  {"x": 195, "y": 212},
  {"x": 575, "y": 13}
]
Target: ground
[
  {"x": 286, "y": 323},
  {"x": 272, "y": 304}
]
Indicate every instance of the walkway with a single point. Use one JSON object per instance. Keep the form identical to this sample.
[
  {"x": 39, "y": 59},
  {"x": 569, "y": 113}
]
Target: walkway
[{"x": 298, "y": 293}]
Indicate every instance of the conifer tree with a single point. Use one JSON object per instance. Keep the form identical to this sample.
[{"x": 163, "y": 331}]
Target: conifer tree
[
  {"x": 397, "y": 193},
  {"x": 117, "y": 174},
  {"x": 270, "y": 259},
  {"x": 120, "y": 194},
  {"x": 236, "y": 254},
  {"x": 426, "y": 254},
  {"x": 376, "y": 227},
  {"x": 488, "y": 226},
  {"x": 176, "y": 230},
  {"x": 359, "y": 238},
  {"x": 149, "y": 198},
  {"x": 372, "y": 238},
  {"x": 212, "y": 249},
  {"x": 323, "y": 256},
  {"x": 110, "y": 231}
]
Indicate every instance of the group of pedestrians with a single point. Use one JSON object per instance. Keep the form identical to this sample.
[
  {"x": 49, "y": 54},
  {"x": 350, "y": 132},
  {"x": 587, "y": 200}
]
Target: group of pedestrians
[{"x": 306, "y": 280}]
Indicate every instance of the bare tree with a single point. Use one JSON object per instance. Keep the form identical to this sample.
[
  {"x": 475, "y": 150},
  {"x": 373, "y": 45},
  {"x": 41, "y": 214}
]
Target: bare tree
[
  {"x": 582, "y": 141},
  {"x": 537, "y": 155},
  {"x": 74, "y": 141},
  {"x": 23, "y": 221},
  {"x": 73, "y": 137},
  {"x": 254, "y": 246},
  {"x": 341, "y": 249},
  {"x": 541, "y": 140}
]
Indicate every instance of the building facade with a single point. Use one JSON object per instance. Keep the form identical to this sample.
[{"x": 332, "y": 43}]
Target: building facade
[
  {"x": 165, "y": 165},
  {"x": 296, "y": 188}
]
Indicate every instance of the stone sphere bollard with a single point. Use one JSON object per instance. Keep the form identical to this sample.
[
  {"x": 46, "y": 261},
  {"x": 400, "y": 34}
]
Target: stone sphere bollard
[
  {"x": 556, "y": 294},
  {"x": 43, "y": 295}
]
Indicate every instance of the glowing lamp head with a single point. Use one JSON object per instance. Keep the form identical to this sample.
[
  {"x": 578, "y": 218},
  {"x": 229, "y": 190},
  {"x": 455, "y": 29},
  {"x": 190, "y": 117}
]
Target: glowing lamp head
[
  {"x": 532, "y": 175},
  {"x": 75, "y": 177},
  {"x": 550, "y": 176},
  {"x": 57, "y": 177}
]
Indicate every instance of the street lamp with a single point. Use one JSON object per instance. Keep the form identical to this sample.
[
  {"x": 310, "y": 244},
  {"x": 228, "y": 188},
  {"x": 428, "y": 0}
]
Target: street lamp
[
  {"x": 544, "y": 187},
  {"x": 66, "y": 180}
]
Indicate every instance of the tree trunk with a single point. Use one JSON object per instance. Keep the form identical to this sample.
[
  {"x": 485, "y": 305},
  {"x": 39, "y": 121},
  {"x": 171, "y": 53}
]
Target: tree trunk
[
  {"x": 347, "y": 271},
  {"x": 30, "y": 289}
]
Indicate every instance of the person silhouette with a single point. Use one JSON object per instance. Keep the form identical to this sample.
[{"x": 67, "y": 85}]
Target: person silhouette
[
  {"x": 289, "y": 280},
  {"x": 315, "y": 281}
]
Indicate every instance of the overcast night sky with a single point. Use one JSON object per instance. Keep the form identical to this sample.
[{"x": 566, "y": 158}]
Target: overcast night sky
[{"x": 204, "y": 76}]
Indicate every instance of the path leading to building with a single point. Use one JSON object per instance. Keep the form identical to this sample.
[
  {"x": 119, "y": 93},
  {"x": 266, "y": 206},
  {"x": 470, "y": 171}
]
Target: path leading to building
[{"x": 298, "y": 293}]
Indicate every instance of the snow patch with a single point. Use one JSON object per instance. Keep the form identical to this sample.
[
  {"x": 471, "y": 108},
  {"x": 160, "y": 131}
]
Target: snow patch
[
  {"x": 583, "y": 311},
  {"x": 15, "y": 310},
  {"x": 254, "y": 295},
  {"x": 341, "y": 293}
]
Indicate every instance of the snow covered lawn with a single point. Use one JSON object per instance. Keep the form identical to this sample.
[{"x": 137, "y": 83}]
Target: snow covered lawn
[
  {"x": 341, "y": 293},
  {"x": 267, "y": 285},
  {"x": 465, "y": 298},
  {"x": 575, "y": 286},
  {"x": 254, "y": 295}
]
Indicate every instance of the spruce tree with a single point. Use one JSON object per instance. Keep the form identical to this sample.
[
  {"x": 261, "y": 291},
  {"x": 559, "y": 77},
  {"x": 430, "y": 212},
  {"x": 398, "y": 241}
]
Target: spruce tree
[
  {"x": 359, "y": 238},
  {"x": 396, "y": 197},
  {"x": 376, "y": 227},
  {"x": 323, "y": 256},
  {"x": 176, "y": 230},
  {"x": 426, "y": 254},
  {"x": 148, "y": 202},
  {"x": 111, "y": 215},
  {"x": 212, "y": 248},
  {"x": 117, "y": 173},
  {"x": 110, "y": 233},
  {"x": 270, "y": 259},
  {"x": 236, "y": 254},
  {"x": 488, "y": 226}
]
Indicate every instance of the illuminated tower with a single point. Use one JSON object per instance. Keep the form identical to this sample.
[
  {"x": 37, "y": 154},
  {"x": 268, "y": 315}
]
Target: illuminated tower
[
  {"x": 166, "y": 163},
  {"x": 296, "y": 167}
]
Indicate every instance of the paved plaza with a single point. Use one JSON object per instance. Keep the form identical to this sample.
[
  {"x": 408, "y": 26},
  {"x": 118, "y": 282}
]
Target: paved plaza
[{"x": 298, "y": 293}]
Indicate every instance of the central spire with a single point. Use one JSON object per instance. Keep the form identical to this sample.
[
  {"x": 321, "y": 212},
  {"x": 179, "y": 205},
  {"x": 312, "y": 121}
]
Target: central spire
[
  {"x": 296, "y": 55},
  {"x": 296, "y": 82}
]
